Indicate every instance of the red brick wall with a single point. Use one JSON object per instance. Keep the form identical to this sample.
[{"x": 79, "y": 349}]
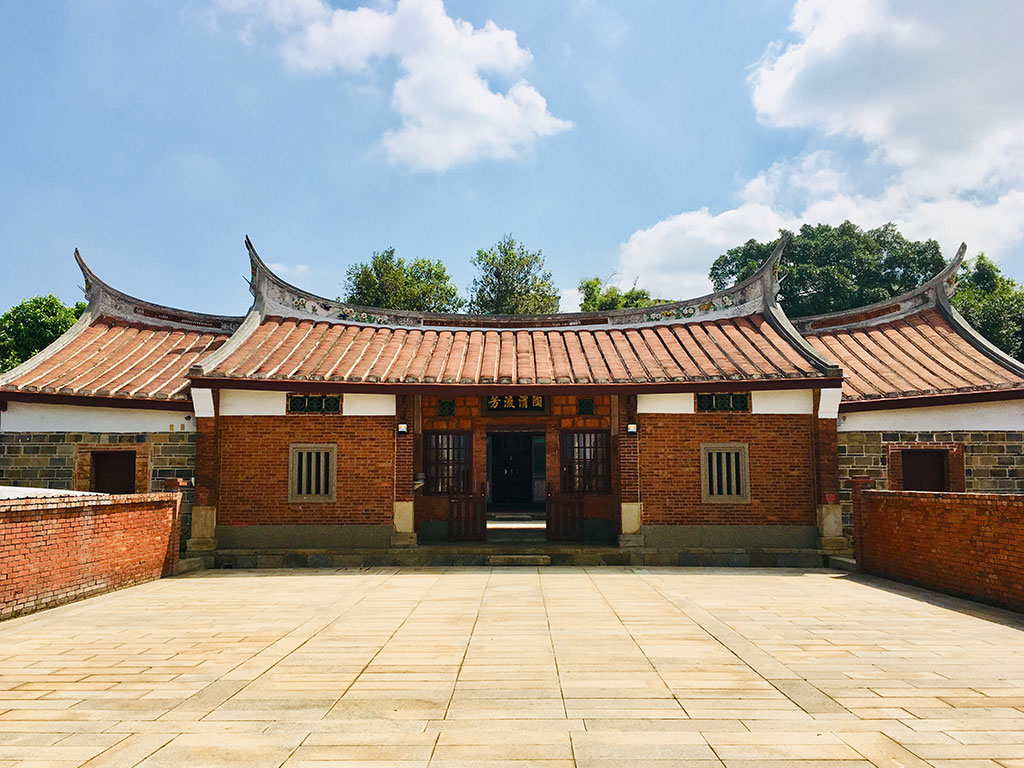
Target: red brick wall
[
  {"x": 253, "y": 469},
  {"x": 966, "y": 544},
  {"x": 782, "y": 468},
  {"x": 59, "y": 549}
]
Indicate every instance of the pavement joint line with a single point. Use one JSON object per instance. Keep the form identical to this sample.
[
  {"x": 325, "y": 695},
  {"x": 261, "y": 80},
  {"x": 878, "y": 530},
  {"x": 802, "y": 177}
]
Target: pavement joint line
[
  {"x": 437, "y": 578},
  {"x": 243, "y": 684},
  {"x": 465, "y": 651},
  {"x": 554, "y": 655},
  {"x": 632, "y": 636},
  {"x": 705, "y": 620}
]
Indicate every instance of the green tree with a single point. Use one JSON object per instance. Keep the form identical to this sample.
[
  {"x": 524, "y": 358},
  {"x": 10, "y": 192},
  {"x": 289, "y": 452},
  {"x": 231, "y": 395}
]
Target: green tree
[
  {"x": 28, "y": 327},
  {"x": 829, "y": 269},
  {"x": 992, "y": 303},
  {"x": 512, "y": 281},
  {"x": 598, "y": 295},
  {"x": 388, "y": 282}
]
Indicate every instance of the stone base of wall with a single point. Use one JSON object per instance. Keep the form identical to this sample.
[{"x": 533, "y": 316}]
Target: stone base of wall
[
  {"x": 730, "y": 536},
  {"x": 994, "y": 461},
  {"x": 294, "y": 537},
  {"x": 48, "y": 460},
  {"x": 58, "y": 549}
]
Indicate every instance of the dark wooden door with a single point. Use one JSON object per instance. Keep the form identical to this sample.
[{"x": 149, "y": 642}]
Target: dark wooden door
[
  {"x": 925, "y": 470},
  {"x": 113, "y": 471},
  {"x": 565, "y": 517},
  {"x": 467, "y": 518},
  {"x": 511, "y": 468}
]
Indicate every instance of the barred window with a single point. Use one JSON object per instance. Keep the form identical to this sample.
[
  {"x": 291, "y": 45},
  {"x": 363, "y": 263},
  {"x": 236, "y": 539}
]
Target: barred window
[
  {"x": 586, "y": 462},
  {"x": 725, "y": 475},
  {"x": 447, "y": 462},
  {"x": 312, "y": 472},
  {"x": 723, "y": 401}
]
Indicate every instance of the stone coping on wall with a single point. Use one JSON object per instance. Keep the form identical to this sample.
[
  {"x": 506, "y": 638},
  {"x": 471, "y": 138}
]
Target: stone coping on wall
[{"x": 70, "y": 500}]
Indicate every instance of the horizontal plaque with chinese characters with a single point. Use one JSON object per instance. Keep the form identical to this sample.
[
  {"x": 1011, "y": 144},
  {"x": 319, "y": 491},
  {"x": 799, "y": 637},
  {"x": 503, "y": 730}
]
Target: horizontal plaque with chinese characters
[{"x": 513, "y": 404}]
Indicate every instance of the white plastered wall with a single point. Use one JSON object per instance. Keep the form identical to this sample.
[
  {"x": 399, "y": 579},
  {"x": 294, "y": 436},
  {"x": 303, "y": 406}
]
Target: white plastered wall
[
  {"x": 251, "y": 402},
  {"x": 681, "y": 402},
  {"x": 369, "y": 405},
  {"x": 1000, "y": 416},
  {"x": 49, "y": 417},
  {"x": 782, "y": 401}
]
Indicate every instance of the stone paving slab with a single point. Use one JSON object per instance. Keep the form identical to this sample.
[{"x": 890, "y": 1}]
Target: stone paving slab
[{"x": 527, "y": 667}]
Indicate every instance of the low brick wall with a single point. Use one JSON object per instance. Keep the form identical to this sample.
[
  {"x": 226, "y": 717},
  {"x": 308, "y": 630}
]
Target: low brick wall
[
  {"x": 55, "y": 550},
  {"x": 965, "y": 544}
]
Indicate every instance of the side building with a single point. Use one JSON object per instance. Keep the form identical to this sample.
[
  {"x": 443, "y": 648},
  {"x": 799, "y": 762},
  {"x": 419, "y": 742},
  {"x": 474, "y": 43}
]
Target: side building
[
  {"x": 928, "y": 403},
  {"x": 106, "y": 406}
]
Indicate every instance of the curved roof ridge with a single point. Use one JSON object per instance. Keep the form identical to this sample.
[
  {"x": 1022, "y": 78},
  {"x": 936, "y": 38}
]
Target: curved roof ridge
[
  {"x": 925, "y": 295},
  {"x": 275, "y": 296},
  {"x": 106, "y": 301}
]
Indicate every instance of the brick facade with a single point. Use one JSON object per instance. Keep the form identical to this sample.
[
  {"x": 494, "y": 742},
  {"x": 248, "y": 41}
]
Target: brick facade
[
  {"x": 252, "y": 469},
  {"x": 967, "y": 544},
  {"x": 61, "y": 460},
  {"x": 563, "y": 414},
  {"x": 58, "y": 549},
  {"x": 991, "y": 461},
  {"x": 781, "y": 457}
]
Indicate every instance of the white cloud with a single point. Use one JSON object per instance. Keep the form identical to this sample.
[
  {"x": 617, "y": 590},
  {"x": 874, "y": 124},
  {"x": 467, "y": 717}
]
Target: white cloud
[
  {"x": 930, "y": 91},
  {"x": 450, "y": 115}
]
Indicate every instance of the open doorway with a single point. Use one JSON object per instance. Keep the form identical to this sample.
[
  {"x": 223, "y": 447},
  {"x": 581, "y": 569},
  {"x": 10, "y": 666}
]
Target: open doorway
[{"x": 516, "y": 485}]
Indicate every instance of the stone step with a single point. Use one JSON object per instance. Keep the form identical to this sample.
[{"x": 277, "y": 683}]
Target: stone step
[
  {"x": 188, "y": 564},
  {"x": 842, "y": 563},
  {"x": 519, "y": 560}
]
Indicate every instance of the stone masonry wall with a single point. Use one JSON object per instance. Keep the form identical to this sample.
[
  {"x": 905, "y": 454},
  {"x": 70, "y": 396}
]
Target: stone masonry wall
[
  {"x": 48, "y": 460},
  {"x": 993, "y": 461},
  {"x": 55, "y": 550},
  {"x": 966, "y": 544}
]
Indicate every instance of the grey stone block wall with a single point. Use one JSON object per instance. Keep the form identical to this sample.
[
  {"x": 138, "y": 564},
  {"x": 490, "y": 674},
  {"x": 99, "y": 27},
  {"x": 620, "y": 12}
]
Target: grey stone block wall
[
  {"x": 47, "y": 460},
  {"x": 994, "y": 460}
]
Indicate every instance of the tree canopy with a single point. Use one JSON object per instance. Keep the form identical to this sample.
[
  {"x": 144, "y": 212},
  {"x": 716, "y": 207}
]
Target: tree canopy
[
  {"x": 598, "y": 295},
  {"x": 512, "y": 280},
  {"x": 28, "y": 327},
  {"x": 387, "y": 281},
  {"x": 830, "y": 269},
  {"x": 992, "y": 303}
]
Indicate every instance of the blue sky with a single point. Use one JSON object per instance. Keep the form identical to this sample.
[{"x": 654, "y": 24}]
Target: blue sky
[{"x": 639, "y": 139}]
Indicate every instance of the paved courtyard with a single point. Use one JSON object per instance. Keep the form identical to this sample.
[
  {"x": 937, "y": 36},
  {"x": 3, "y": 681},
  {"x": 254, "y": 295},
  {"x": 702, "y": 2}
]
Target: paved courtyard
[{"x": 530, "y": 667}]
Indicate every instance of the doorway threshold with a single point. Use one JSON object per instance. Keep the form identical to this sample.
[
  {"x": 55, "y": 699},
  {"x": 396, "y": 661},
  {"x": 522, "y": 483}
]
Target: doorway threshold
[{"x": 508, "y": 531}]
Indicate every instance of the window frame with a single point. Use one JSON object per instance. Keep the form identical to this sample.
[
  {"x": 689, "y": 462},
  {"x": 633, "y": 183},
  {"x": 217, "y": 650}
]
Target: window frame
[
  {"x": 567, "y": 460},
  {"x": 430, "y": 467},
  {"x": 706, "y": 449},
  {"x": 294, "y": 497}
]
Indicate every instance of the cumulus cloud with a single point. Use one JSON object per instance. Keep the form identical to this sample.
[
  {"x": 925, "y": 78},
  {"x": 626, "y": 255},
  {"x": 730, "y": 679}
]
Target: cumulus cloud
[
  {"x": 929, "y": 91},
  {"x": 450, "y": 114},
  {"x": 289, "y": 270}
]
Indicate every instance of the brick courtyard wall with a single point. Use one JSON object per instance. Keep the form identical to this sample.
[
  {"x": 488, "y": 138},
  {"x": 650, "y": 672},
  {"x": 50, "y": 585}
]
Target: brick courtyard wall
[
  {"x": 782, "y": 468},
  {"x": 965, "y": 544},
  {"x": 253, "y": 469},
  {"x": 55, "y": 550},
  {"x": 61, "y": 460},
  {"x": 990, "y": 462}
]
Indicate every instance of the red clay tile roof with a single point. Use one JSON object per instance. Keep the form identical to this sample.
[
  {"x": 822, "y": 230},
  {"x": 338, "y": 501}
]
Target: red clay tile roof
[
  {"x": 917, "y": 354},
  {"x": 913, "y": 345},
  {"x": 321, "y": 350},
  {"x": 114, "y": 358},
  {"x": 122, "y": 347}
]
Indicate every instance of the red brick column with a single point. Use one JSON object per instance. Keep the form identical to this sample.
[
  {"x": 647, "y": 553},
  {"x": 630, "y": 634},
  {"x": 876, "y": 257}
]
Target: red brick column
[
  {"x": 631, "y": 510},
  {"x": 404, "y": 450},
  {"x": 859, "y": 484},
  {"x": 828, "y": 462}
]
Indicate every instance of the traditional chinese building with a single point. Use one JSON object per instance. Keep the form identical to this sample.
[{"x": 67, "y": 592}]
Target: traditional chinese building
[{"x": 705, "y": 431}]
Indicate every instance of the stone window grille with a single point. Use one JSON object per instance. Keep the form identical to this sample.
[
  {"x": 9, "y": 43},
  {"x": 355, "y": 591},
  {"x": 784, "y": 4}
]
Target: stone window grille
[
  {"x": 723, "y": 401},
  {"x": 312, "y": 472},
  {"x": 725, "y": 473}
]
